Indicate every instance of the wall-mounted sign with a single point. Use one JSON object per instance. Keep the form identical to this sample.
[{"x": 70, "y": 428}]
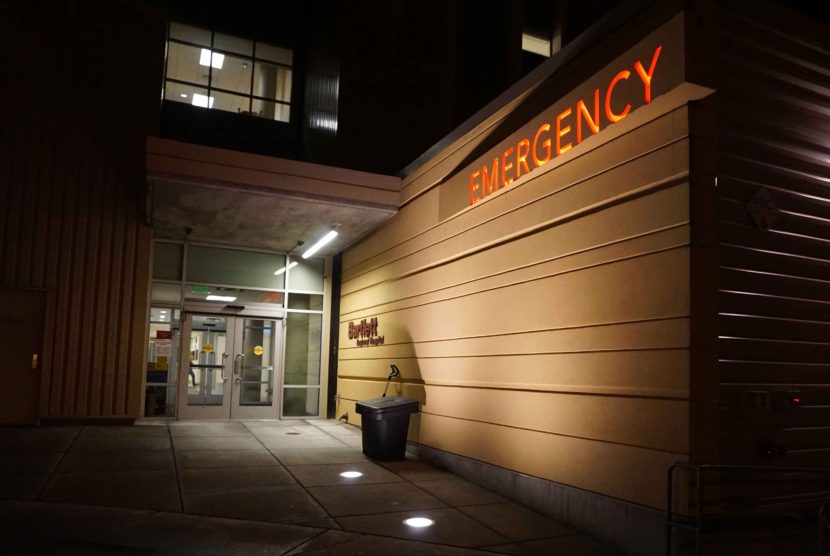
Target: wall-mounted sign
[
  {"x": 162, "y": 348},
  {"x": 208, "y": 348},
  {"x": 762, "y": 209},
  {"x": 649, "y": 69},
  {"x": 365, "y": 332}
]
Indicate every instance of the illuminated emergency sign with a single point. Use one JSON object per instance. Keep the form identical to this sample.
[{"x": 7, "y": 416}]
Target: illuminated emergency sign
[
  {"x": 569, "y": 127},
  {"x": 583, "y": 108}
]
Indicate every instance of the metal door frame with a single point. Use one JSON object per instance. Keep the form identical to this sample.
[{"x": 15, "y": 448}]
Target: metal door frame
[{"x": 233, "y": 342}]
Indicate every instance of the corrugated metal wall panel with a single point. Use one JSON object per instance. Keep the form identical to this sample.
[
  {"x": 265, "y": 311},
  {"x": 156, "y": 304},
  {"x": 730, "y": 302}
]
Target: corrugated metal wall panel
[
  {"x": 72, "y": 173},
  {"x": 774, "y": 328}
]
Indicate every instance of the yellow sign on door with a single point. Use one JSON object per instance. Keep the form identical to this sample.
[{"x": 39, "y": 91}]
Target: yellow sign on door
[
  {"x": 258, "y": 350},
  {"x": 208, "y": 348}
]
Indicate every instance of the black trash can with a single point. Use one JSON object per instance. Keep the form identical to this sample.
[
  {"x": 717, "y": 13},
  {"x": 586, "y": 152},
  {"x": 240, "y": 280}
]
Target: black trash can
[{"x": 385, "y": 424}]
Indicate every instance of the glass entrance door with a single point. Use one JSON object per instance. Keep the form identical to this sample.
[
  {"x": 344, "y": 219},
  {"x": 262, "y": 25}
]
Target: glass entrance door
[{"x": 229, "y": 367}]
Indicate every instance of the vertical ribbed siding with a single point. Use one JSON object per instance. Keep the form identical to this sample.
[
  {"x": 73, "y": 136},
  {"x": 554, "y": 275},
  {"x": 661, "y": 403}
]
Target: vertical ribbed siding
[
  {"x": 74, "y": 122},
  {"x": 773, "y": 88}
]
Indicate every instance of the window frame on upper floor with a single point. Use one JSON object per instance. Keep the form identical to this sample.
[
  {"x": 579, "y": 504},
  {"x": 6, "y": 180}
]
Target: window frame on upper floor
[{"x": 262, "y": 58}]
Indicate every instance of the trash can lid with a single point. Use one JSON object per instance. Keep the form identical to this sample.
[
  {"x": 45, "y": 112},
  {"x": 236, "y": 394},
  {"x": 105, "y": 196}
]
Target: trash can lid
[{"x": 393, "y": 403}]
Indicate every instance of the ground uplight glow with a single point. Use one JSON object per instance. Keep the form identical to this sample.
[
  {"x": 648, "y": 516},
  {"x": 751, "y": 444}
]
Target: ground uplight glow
[{"x": 419, "y": 522}]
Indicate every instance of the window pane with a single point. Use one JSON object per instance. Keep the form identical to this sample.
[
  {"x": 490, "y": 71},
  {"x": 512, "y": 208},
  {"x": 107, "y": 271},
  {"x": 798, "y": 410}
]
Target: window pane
[
  {"x": 272, "y": 82},
  {"x": 231, "y": 103},
  {"x": 189, "y": 33},
  {"x": 307, "y": 275},
  {"x": 235, "y": 75},
  {"x": 259, "y": 345},
  {"x": 274, "y": 53},
  {"x": 303, "y": 341},
  {"x": 160, "y": 401},
  {"x": 188, "y": 94},
  {"x": 183, "y": 64},
  {"x": 301, "y": 402},
  {"x": 305, "y": 302},
  {"x": 167, "y": 261},
  {"x": 222, "y": 296},
  {"x": 162, "y": 346},
  {"x": 271, "y": 110},
  {"x": 166, "y": 293},
  {"x": 233, "y": 44},
  {"x": 213, "y": 265}
]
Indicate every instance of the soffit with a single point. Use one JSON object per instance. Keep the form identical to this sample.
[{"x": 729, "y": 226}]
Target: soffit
[{"x": 232, "y": 198}]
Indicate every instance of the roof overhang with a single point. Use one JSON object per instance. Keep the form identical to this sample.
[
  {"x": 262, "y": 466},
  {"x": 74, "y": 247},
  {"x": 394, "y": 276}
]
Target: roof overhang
[{"x": 247, "y": 200}]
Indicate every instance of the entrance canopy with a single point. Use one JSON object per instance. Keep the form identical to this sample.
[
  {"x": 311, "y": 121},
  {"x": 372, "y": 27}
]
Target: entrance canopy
[{"x": 241, "y": 199}]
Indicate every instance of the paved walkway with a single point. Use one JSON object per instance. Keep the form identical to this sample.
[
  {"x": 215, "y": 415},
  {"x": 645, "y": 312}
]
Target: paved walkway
[{"x": 247, "y": 488}]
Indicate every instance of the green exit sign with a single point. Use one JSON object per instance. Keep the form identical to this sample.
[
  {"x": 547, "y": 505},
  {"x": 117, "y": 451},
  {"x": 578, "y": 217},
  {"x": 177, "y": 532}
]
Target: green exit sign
[{"x": 200, "y": 289}]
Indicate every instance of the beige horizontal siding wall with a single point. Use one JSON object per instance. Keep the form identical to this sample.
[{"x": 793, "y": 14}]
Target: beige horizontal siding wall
[
  {"x": 546, "y": 329},
  {"x": 71, "y": 191},
  {"x": 774, "y": 326}
]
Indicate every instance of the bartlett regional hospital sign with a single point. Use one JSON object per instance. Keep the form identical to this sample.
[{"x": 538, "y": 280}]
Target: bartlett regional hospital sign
[{"x": 652, "y": 67}]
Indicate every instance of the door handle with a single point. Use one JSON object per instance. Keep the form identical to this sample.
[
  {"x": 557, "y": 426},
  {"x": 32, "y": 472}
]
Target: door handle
[
  {"x": 34, "y": 361},
  {"x": 238, "y": 363},
  {"x": 224, "y": 357}
]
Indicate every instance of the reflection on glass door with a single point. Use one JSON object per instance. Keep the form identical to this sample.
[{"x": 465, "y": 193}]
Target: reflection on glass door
[
  {"x": 231, "y": 365},
  {"x": 255, "y": 365},
  {"x": 208, "y": 351}
]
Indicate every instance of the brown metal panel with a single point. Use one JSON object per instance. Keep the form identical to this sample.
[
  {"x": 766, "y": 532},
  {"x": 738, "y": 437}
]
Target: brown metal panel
[
  {"x": 139, "y": 321},
  {"x": 749, "y": 303},
  {"x": 765, "y": 372},
  {"x": 111, "y": 336},
  {"x": 64, "y": 364},
  {"x": 89, "y": 288},
  {"x": 764, "y": 328},
  {"x": 12, "y": 217},
  {"x": 101, "y": 321},
  {"x": 795, "y": 219},
  {"x": 78, "y": 267},
  {"x": 786, "y": 351},
  {"x": 739, "y": 256},
  {"x": 127, "y": 305},
  {"x": 811, "y": 249},
  {"x": 737, "y": 279}
]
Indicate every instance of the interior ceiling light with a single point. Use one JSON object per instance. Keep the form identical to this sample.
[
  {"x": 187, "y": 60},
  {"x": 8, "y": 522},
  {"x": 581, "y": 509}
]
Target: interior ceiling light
[
  {"x": 201, "y": 100},
  {"x": 227, "y": 298},
  {"x": 317, "y": 246},
  {"x": 351, "y": 474},
  {"x": 419, "y": 522},
  {"x": 283, "y": 269},
  {"x": 217, "y": 60}
]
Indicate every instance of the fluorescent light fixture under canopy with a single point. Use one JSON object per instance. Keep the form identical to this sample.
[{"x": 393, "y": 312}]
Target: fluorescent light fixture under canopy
[
  {"x": 291, "y": 265},
  {"x": 319, "y": 245}
]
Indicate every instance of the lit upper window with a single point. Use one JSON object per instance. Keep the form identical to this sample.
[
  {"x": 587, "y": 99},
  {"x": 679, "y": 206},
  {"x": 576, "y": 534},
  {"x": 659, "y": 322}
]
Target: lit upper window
[
  {"x": 536, "y": 45},
  {"x": 223, "y": 72}
]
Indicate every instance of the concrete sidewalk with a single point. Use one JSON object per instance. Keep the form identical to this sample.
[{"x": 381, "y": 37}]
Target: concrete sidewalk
[{"x": 247, "y": 488}]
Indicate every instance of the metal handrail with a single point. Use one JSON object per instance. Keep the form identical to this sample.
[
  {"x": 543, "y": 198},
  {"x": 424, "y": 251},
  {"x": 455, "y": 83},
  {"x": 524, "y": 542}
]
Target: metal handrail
[{"x": 698, "y": 521}]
